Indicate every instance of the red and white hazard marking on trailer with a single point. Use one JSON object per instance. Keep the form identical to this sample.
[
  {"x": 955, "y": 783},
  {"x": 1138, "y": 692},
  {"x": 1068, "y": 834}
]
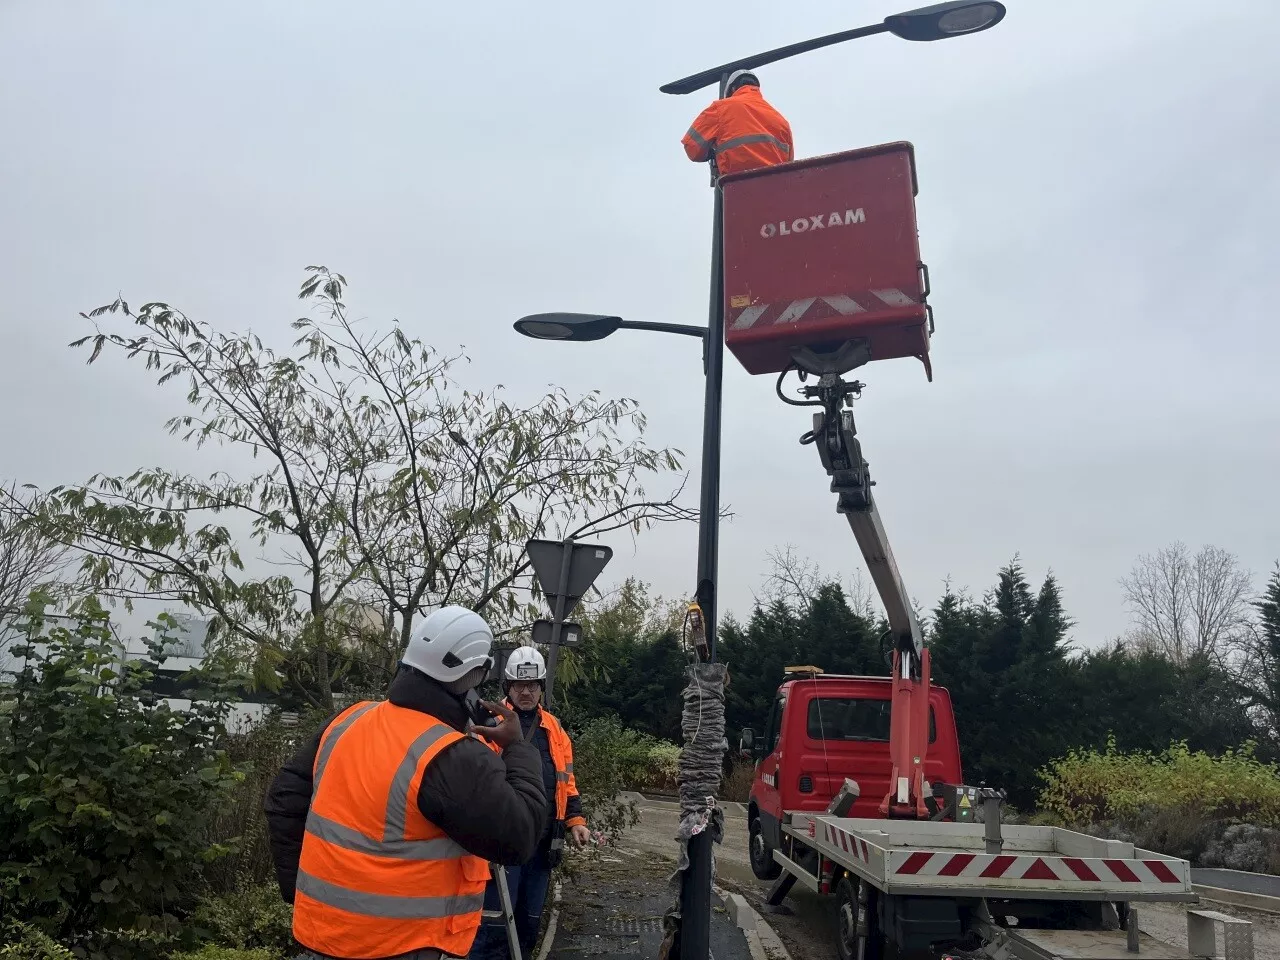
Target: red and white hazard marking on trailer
[
  {"x": 922, "y": 863},
  {"x": 845, "y": 305},
  {"x": 847, "y": 842}
]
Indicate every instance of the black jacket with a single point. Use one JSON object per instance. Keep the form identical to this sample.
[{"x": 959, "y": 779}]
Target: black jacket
[{"x": 493, "y": 806}]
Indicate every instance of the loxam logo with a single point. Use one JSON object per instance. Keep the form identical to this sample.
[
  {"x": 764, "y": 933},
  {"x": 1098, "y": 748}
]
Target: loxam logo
[{"x": 819, "y": 221}]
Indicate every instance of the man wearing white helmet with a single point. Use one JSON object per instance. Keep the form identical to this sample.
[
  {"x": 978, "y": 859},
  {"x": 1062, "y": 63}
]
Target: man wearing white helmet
[
  {"x": 383, "y": 825},
  {"x": 524, "y": 681},
  {"x": 740, "y": 131}
]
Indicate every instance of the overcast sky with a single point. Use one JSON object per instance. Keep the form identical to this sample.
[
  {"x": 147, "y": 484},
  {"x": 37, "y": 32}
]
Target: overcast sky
[{"x": 1099, "y": 191}]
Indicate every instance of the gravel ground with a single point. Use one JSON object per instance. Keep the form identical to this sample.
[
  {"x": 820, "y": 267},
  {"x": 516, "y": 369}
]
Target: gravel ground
[
  {"x": 804, "y": 922},
  {"x": 1169, "y": 923}
]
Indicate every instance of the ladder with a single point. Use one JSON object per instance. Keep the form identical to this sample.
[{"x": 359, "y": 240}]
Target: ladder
[{"x": 506, "y": 912}]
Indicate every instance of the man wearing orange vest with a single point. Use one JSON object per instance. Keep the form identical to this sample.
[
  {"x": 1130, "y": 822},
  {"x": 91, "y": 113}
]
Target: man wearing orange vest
[
  {"x": 524, "y": 680},
  {"x": 740, "y": 131},
  {"x": 382, "y": 826}
]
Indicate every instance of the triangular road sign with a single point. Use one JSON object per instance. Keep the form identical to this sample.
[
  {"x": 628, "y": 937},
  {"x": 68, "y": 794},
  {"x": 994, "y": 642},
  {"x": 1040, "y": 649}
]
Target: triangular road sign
[{"x": 585, "y": 564}]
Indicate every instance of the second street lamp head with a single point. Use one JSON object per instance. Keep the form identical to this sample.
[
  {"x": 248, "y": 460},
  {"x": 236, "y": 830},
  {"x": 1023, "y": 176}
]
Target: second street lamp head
[
  {"x": 567, "y": 326},
  {"x": 943, "y": 20}
]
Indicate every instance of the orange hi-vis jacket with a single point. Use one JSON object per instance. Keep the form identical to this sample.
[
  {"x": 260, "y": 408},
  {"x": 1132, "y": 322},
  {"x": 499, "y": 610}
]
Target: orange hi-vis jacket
[
  {"x": 562, "y": 757},
  {"x": 376, "y": 878},
  {"x": 742, "y": 132}
]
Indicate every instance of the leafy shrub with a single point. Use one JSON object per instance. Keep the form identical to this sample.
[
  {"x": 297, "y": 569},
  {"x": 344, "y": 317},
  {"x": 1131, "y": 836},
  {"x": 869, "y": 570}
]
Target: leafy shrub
[
  {"x": 211, "y": 952},
  {"x": 105, "y": 794},
  {"x": 1246, "y": 847},
  {"x": 1091, "y": 786},
  {"x": 737, "y": 785},
  {"x": 606, "y": 759},
  {"x": 261, "y": 751},
  {"x": 250, "y": 916},
  {"x": 662, "y": 769},
  {"x": 1175, "y": 831},
  {"x": 25, "y": 942}
]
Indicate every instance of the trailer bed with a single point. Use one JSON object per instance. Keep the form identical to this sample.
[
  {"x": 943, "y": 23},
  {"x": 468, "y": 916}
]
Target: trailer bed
[{"x": 923, "y": 858}]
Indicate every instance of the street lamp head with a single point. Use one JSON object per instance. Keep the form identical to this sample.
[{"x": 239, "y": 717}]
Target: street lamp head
[
  {"x": 567, "y": 326},
  {"x": 943, "y": 20}
]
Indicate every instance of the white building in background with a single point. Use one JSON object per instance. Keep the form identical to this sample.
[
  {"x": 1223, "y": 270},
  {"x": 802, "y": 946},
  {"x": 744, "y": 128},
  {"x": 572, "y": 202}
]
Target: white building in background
[{"x": 184, "y": 651}]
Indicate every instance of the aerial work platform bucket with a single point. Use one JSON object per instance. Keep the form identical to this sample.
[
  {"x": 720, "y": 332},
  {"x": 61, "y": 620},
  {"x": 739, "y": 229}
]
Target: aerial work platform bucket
[{"x": 822, "y": 254}]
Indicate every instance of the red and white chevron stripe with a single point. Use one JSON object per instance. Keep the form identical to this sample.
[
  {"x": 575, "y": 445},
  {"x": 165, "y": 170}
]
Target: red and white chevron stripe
[
  {"x": 923, "y": 863},
  {"x": 847, "y": 842},
  {"x": 845, "y": 305},
  {"x": 1058, "y": 870}
]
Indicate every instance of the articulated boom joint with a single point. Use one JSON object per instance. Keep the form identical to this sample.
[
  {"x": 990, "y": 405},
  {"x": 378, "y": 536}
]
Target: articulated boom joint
[{"x": 836, "y": 437}]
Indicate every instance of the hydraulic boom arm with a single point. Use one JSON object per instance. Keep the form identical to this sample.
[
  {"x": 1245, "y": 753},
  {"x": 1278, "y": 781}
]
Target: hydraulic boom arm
[{"x": 835, "y": 436}]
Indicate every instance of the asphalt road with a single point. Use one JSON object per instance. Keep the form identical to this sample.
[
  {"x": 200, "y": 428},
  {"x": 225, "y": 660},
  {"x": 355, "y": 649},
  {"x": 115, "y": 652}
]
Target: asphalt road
[{"x": 1268, "y": 886}]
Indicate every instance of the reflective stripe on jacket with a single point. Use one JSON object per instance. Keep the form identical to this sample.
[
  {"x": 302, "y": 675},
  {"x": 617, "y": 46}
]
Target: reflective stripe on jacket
[
  {"x": 742, "y": 132},
  {"x": 562, "y": 757},
  {"x": 376, "y": 878}
]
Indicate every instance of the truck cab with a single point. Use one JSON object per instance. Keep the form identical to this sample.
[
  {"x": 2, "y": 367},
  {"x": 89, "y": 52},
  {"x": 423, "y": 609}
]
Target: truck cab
[{"x": 822, "y": 730}]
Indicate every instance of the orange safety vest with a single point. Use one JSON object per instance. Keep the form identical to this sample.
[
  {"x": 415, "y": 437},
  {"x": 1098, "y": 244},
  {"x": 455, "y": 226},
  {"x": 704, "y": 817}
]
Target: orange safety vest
[
  {"x": 562, "y": 759},
  {"x": 742, "y": 132},
  {"x": 376, "y": 878}
]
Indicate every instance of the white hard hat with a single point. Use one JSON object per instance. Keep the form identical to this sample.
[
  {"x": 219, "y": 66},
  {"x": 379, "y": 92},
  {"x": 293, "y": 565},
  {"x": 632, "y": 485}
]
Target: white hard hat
[
  {"x": 525, "y": 663},
  {"x": 449, "y": 644},
  {"x": 737, "y": 77}
]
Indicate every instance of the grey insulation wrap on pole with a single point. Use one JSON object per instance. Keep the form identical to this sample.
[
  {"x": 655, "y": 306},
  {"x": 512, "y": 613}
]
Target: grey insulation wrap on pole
[{"x": 701, "y": 767}]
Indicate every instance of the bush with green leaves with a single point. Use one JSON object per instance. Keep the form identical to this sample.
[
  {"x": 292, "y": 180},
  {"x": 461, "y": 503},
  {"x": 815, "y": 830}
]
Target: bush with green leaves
[
  {"x": 22, "y": 941},
  {"x": 261, "y": 750},
  {"x": 663, "y": 768},
  {"x": 609, "y": 758},
  {"x": 1092, "y": 786},
  {"x": 211, "y": 952},
  {"x": 106, "y": 793},
  {"x": 251, "y": 916}
]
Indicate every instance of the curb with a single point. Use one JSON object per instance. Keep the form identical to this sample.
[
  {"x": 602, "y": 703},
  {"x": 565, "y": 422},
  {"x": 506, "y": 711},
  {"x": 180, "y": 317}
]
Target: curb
[
  {"x": 762, "y": 942},
  {"x": 1238, "y": 898},
  {"x": 549, "y": 936}
]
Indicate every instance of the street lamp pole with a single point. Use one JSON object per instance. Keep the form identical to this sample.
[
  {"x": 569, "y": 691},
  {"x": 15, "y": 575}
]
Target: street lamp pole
[{"x": 936, "y": 22}]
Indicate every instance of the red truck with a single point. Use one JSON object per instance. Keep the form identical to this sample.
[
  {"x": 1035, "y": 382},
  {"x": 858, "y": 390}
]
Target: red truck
[
  {"x": 822, "y": 730},
  {"x": 858, "y": 792}
]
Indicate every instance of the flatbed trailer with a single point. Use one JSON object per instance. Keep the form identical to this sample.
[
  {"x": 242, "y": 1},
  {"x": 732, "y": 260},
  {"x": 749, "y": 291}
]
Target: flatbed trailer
[{"x": 928, "y": 889}]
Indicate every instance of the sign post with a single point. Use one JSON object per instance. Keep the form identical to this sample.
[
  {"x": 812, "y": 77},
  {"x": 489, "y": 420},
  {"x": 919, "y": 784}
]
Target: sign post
[{"x": 565, "y": 570}]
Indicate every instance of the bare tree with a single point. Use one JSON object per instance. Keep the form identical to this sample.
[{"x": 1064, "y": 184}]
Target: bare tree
[
  {"x": 1185, "y": 606},
  {"x": 792, "y": 579},
  {"x": 795, "y": 580},
  {"x": 28, "y": 560}
]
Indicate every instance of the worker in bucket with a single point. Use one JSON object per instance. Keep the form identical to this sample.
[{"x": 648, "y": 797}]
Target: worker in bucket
[
  {"x": 383, "y": 824},
  {"x": 741, "y": 130},
  {"x": 524, "y": 682}
]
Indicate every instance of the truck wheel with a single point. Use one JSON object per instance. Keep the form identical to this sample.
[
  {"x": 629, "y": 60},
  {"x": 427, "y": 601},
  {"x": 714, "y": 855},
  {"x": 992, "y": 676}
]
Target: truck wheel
[
  {"x": 858, "y": 935},
  {"x": 762, "y": 863}
]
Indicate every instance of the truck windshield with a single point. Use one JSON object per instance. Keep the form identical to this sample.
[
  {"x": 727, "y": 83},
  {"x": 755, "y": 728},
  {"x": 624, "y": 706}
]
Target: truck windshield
[{"x": 832, "y": 718}]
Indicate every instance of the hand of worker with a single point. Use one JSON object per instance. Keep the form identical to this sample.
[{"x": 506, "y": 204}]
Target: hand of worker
[
  {"x": 508, "y": 730},
  {"x": 581, "y": 835}
]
